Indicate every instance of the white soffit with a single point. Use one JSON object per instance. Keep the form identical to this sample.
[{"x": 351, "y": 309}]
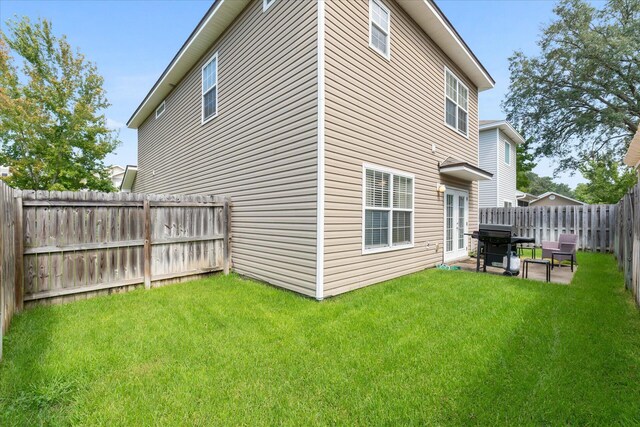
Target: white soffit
[
  {"x": 439, "y": 29},
  {"x": 465, "y": 173},
  {"x": 214, "y": 23}
]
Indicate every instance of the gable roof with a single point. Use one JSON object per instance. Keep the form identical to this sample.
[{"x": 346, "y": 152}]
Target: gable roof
[
  {"x": 549, "y": 193},
  {"x": 633, "y": 153},
  {"x": 223, "y": 12},
  {"x": 505, "y": 127}
]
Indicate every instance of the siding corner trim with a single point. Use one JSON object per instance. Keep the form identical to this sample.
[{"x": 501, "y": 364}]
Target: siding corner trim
[{"x": 320, "y": 155}]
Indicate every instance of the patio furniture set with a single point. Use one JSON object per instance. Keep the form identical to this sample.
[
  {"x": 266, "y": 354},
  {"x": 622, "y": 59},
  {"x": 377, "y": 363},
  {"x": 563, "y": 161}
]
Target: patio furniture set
[{"x": 495, "y": 244}]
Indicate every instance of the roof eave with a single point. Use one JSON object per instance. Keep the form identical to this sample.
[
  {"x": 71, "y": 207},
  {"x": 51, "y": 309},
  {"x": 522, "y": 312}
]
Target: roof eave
[
  {"x": 632, "y": 158},
  {"x": 433, "y": 22},
  {"x": 221, "y": 14},
  {"x": 506, "y": 127}
]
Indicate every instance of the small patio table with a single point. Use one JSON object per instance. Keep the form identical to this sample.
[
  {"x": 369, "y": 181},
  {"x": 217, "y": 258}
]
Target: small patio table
[{"x": 559, "y": 256}]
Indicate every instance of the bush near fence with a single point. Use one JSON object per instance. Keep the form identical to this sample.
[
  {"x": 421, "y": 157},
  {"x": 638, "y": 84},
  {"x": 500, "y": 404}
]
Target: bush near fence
[{"x": 60, "y": 246}]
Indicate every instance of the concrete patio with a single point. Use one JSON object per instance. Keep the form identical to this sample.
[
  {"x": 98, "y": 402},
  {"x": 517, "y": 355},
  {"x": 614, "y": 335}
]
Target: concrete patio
[{"x": 559, "y": 275}]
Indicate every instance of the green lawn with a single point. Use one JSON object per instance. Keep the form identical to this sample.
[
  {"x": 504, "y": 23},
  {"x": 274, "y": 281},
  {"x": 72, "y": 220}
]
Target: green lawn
[{"x": 436, "y": 347}]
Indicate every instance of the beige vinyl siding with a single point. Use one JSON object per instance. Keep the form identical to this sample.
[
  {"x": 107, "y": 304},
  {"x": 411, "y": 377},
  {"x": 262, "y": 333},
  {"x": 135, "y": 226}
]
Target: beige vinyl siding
[
  {"x": 487, "y": 160},
  {"x": 507, "y": 172},
  {"x": 261, "y": 149},
  {"x": 386, "y": 113}
]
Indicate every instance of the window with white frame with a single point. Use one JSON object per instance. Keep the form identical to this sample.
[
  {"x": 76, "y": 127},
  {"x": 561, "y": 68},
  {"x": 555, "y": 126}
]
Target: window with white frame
[
  {"x": 507, "y": 153},
  {"x": 380, "y": 28},
  {"x": 508, "y": 204},
  {"x": 388, "y": 209},
  {"x": 160, "y": 110},
  {"x": 210, "y": 89},
  {"x": 266, "y": 4},
  {"x": 457, "y": 101}
]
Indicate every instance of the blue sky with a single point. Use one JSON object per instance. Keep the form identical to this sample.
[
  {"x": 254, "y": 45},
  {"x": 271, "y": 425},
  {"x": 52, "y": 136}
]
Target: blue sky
[{"x": 132, "y": 42}]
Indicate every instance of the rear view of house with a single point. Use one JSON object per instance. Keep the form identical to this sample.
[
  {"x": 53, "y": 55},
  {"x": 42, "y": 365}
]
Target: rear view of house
[
  {"x": 497, "y": 154},
  {"x": 346, "y": 134}
]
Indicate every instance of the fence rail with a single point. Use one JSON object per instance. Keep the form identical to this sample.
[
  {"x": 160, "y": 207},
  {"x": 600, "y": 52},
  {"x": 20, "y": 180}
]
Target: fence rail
[
  {"x": 59, "y": 246},
  {"x": 594, "y": 224}
]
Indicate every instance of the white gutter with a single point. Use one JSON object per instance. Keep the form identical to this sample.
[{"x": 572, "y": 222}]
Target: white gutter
[{"x": 320, "y": 154}]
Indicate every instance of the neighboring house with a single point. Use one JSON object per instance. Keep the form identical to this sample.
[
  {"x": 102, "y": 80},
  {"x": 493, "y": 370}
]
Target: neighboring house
[
  {"x": 497, "y": 154},
  {"x": 346, "y": 133},
  {"x": 524, "y": 199},
  {"x": 116, "y": 173},
  {"x": 554, "y": 199},
  {"x": 128, "y": 178},
  {"x": 4, "y": 171},
  {"x": 632, "y": 159}
]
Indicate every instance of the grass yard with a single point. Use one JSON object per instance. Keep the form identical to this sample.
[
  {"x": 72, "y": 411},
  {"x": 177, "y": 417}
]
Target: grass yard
[{"x": 436, "y": 347}]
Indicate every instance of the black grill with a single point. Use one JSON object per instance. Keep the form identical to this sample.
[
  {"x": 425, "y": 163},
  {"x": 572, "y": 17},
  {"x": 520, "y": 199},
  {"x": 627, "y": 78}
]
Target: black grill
[{"x": 494, "y": 243}]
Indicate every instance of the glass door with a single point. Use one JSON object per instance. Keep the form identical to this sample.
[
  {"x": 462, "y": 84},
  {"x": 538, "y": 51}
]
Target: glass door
[{"x": 456, "y": 217}]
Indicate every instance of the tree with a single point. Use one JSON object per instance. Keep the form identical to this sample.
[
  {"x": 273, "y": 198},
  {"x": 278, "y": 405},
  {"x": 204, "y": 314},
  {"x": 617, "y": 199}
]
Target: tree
[
  {"x": 608, "y": 181},
  {"x": 53, "y": 135},
  {"x": 580, "y": 98},
  {"x": 525, "y": 162},
  {"x": 541, "y": 184}
]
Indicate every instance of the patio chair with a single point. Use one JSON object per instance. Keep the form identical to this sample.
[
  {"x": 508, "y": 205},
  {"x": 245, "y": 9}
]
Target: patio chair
[{"x": 566, "y": 244}]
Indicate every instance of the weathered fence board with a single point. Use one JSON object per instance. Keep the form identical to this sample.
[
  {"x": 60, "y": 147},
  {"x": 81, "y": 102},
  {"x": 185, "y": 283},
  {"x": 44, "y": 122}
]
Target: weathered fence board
[
  {"x": 8, "y": 302},
  {"x": 595, "y": 225},
  {"x": 627, "y": 240}
]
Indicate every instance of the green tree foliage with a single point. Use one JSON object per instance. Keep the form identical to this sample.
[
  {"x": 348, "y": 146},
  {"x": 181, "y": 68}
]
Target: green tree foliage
[
  {"x": 580, "y": 98},
  {"x": 542, "y": 184},
  {"x": 525, "y": 162},
  {"x": 53, "y": 135},
  {"x": 608, "y": 181}
]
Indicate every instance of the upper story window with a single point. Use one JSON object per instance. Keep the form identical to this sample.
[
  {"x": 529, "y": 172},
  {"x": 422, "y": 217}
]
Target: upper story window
[
  {"x": 210, "y": 89},
  {"x": 457, "y": 101},
  {"x": 160, "y": 110},
  {"x": 266, "y": 4},
  {"x": 380, "y": 28},
  {"x": 387, "y": 210},
  {"x": 507, "y": 153}
]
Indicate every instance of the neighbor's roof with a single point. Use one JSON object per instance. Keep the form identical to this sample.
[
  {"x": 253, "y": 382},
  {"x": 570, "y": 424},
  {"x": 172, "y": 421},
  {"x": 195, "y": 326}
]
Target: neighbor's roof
[
  {"x": 633, "y": 154},
  {"x": 549, "y": 193},
  {"x": 505, "y": 127},
  {"x": 527, "y": 197},
  {"x": 223, "y": 12}
]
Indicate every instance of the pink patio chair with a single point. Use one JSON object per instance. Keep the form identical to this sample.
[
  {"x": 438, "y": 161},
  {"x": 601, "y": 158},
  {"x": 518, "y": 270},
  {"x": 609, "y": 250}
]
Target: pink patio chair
[{"x": 567, "y": 243}]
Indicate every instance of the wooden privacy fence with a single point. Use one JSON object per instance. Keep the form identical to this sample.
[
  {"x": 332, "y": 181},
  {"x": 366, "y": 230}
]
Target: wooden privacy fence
[
  {"x": 8, "y": 260},
  {"x": 627, "y": 242},
  {"x": 594, "y": 224},
  {"x": 59, "y": 246},
  {"x": 85, "y": 242}
]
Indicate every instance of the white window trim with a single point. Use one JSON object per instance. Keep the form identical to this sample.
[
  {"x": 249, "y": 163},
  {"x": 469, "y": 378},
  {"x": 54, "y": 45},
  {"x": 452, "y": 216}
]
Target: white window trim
[
  {"x": 391, "y": 247},
  {"x": 161, "y": 106},
  {"x": 504, "y": 157},
  {"x": 455, "y": 128},
  {"x": 508, "y": 201},
  {"x": 386, "y": 55},
  {"x": 266, "y": 4},
  {"x": 217, "y": 88}
]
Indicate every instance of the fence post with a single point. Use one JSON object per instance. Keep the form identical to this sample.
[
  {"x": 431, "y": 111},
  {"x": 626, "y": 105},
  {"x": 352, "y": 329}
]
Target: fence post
[
  {"x": 227, "y": 231},
  {"x": 147, "y": 243},
  {"x": 19, "y": 249}
]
